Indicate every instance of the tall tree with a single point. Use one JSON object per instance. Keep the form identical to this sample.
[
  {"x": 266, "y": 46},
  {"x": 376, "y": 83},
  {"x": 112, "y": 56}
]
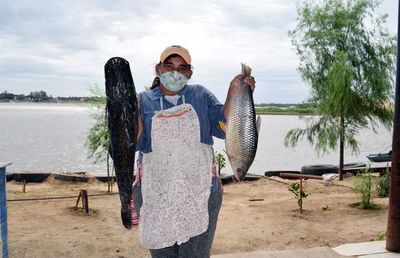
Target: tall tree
[{"x": 347, "y": 58}]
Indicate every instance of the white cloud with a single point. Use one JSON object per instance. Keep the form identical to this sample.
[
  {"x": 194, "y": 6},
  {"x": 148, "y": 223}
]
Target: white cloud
[{"x": 62, "y": 46}]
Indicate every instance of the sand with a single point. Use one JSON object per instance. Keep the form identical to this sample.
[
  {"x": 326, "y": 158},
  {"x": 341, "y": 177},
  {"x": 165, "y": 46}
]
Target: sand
[{"x": 256, "y": 215}]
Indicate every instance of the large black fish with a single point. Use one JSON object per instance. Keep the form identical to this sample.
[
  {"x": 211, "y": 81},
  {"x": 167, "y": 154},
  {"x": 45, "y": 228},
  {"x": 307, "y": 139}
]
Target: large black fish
[{"x": 122, "y": 116}]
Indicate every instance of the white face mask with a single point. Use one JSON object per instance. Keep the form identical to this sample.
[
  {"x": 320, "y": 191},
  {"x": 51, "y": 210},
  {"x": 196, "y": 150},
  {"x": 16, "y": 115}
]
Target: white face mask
[{"x": 173, "y": 81}]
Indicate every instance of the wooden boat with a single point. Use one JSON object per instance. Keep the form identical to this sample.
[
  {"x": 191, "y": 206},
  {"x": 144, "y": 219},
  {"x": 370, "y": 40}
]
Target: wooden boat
[
  {"x": 30, "y": 177},
  {"x": 380, "y": 157}
]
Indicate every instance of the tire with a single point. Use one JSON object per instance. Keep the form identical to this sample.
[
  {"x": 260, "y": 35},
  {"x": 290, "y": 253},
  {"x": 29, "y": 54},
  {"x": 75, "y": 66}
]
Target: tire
[{"x": 319, "y": 170}]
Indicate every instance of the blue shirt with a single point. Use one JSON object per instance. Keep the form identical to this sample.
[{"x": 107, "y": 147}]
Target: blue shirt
[{"x": 209, "y": 111}]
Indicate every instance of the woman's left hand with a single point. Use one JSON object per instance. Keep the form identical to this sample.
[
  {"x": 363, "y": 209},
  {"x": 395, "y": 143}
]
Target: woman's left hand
[
  {"x": 249, "y": 81},
  {"x": 233, "y": 87}
]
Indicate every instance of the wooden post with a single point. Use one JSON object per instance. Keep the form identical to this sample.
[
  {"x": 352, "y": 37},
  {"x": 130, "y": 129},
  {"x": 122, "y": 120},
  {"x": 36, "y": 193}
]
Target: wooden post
[
  {"x": 77, "y": 201},
  {"x": 85, "y": 201},
  {"x": 23, "y": 186}
]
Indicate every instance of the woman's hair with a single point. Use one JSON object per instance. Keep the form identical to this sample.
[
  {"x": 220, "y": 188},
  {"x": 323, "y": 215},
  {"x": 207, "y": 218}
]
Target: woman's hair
[
  {"x": 155, "y": 84},
  {"x": 156, "y": 81}
]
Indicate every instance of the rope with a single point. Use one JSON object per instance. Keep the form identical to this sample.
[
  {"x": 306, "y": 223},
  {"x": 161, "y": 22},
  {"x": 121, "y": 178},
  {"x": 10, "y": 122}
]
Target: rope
[{"x": 55, "y": 197}]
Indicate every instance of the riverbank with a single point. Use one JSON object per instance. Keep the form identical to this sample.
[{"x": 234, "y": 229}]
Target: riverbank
[
  {"x": 286, "y": 109},
  {"x": 256, "y": 215}
]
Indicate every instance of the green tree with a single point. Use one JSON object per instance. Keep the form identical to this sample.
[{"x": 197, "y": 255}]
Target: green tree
[
  {"x": 39, "y": 96},
  {"x": 98, "y": 140},
  {"x": 347, "y": 58}
]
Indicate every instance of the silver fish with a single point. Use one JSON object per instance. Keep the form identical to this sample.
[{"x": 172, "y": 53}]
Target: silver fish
[
  {"x": 122, "y": 120},
  {"x": 242, "y": 129}
]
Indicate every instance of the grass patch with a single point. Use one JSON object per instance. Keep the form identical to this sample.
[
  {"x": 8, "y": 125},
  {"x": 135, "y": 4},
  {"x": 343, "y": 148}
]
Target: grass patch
[{"x": 295, "y": 109}]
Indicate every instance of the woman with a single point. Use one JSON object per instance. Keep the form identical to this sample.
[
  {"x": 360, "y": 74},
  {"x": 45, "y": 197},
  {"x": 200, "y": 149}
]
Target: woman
[{"x": 177, "y": 194}]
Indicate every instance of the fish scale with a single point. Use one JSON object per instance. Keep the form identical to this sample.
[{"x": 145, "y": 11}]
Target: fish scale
[{"x": 241, "y": 131}]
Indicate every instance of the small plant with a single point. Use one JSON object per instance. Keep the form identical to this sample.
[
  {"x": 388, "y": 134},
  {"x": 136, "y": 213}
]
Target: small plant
[
  {"x": 299, "y": 193},
  {"x": 363, "y": 186},
  {"x": 220, "y": 162},
  {"x": 382, "y": 237},
  {"x": 383, "y": 184}
]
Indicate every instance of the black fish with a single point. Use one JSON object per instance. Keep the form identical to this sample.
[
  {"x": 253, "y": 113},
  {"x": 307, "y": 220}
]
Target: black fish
[{"x": 122, "y": 116}]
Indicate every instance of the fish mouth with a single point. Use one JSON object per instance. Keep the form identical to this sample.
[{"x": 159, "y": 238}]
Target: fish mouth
[
  {"x": 240, "y": 174},
  {"x": 126, "y": 216}
]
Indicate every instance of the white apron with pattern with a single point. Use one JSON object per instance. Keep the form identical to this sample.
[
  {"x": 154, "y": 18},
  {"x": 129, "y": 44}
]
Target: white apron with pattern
[{"x": 176, "y": 180}]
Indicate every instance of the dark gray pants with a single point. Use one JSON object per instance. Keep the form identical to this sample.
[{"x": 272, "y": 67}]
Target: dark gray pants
[{"x": 197, "y": 246}]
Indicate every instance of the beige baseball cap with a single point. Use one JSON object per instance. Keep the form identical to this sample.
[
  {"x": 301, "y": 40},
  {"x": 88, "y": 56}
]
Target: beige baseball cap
[{"x": 177, "y": 50}]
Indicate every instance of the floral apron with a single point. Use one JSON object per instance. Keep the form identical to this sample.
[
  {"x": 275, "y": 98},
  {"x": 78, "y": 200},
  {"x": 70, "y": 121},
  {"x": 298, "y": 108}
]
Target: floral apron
[{"x": 176, "y": 179}]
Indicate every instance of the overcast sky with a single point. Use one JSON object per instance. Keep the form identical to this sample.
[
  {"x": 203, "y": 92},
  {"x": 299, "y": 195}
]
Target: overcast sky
[{"x": 61, "y": 46}]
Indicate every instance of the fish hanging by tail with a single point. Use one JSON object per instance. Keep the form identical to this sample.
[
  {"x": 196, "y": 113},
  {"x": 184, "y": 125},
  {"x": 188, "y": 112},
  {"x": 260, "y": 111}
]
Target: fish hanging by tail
[{"x": 122, "y": 120}]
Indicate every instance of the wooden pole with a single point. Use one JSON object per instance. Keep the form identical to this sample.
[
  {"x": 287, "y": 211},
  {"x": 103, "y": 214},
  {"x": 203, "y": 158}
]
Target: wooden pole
[
  {"x": 85, "y": 201},
  {"x": 393, "y": 226},
  {"x": 77, "y": 201},
  {"x": 23, "y": 186},
  {"x": 298, "y": 176}
]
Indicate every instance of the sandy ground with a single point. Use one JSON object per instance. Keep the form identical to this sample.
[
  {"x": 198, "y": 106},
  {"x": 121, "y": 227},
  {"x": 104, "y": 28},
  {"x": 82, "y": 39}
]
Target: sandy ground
[{"x": 52, "y": 228}]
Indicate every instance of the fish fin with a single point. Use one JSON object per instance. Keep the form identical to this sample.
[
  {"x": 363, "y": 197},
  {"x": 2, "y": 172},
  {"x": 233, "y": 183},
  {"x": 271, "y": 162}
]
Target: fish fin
[
  {"x": 222, "y": 126},
  {"x": 258, "y": 124},
  {"x": 246, "y": 69}
]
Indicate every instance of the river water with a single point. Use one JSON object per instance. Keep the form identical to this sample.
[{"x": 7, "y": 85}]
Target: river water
[{"x": 51, "y": 138}]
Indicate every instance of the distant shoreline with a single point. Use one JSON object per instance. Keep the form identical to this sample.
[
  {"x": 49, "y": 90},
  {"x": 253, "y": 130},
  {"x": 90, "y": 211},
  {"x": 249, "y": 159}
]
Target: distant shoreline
[
  {"x": 279, "y": 109},
  {"x": 47, "y": 102}
]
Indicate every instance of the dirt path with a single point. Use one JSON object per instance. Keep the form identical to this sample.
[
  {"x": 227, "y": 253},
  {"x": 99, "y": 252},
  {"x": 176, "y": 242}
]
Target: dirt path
[{"x": 50, "y": 228}]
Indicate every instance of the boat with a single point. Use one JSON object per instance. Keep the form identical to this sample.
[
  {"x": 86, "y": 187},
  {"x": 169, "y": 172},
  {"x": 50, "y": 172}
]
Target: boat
[
  {"x": 380, "y": 157},
  {"x": 30, "y": 177}
]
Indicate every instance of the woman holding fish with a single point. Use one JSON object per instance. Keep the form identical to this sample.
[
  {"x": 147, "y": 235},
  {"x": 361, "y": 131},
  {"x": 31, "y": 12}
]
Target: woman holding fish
[{"x": 177, "y": 194}]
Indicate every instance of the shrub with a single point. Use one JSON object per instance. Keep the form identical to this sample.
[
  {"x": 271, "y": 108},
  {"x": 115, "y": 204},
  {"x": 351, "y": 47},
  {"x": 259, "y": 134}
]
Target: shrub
[
  {"x": 383, "y": 184},
  {"x": 363, "y": 186}
]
